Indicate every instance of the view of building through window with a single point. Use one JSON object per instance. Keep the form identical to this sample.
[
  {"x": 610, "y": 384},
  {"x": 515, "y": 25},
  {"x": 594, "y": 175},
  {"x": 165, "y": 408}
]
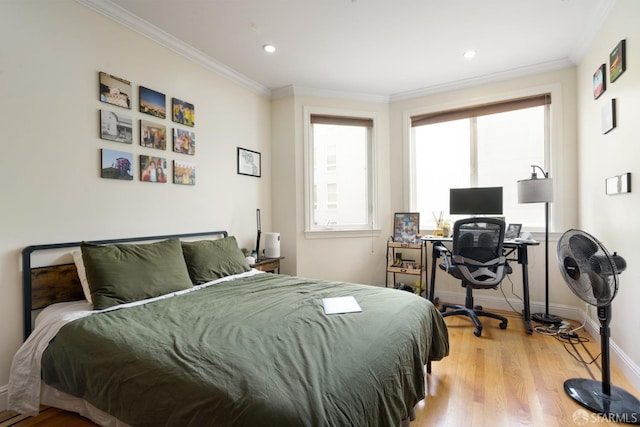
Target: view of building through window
[
  {"x": 493, "y": 150},
  {"x": 341, "y": 158}
]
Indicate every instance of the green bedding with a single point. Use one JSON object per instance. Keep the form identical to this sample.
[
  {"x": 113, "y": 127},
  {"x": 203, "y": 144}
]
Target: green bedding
[{"x": 257, "y": 351}]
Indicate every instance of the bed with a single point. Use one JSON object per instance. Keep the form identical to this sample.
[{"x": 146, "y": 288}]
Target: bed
[{"x": 183, "y": 332}]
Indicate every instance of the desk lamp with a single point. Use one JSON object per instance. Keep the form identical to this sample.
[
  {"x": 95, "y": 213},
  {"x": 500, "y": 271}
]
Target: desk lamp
[{"x": 540, "y": 190}]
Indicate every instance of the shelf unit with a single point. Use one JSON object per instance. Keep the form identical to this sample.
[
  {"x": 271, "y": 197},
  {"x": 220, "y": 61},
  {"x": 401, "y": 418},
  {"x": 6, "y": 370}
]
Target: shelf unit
[{"x": 407, "y": 259}]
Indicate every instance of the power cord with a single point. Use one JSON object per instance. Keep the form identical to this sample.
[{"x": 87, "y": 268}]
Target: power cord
[
  {"x": 570, "y": 338},
  {"x": 512, "y": 293}
]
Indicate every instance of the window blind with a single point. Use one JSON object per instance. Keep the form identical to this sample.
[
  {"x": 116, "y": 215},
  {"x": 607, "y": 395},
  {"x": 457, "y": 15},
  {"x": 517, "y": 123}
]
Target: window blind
[
  {"x": 341, "y": 120},
  {"x": 481, "y": 110}
]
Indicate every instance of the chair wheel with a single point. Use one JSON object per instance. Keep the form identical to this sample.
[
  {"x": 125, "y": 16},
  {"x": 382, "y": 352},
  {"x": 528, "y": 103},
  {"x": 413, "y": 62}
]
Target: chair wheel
[
  {"x": 503, "y": 325},
  {"x": 477, "y": 332}
]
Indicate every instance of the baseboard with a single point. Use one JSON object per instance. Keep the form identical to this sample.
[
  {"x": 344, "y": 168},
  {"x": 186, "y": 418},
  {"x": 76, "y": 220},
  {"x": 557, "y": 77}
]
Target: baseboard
[
  {"x": 3, "y": 397},
  {"x": 496, "y": 301}
]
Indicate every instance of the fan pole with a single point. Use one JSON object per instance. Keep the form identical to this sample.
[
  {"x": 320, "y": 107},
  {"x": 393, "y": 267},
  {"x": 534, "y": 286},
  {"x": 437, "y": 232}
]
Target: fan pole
[{"x": 546, "y": 317}]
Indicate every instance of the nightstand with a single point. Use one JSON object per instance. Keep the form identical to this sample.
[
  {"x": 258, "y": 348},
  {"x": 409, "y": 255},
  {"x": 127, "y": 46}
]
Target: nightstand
[{"x": 270, "y": 265}]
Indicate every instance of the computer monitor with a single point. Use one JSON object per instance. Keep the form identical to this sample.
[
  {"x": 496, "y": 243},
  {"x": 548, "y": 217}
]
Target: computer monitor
[{"x": 475, "y": 201}]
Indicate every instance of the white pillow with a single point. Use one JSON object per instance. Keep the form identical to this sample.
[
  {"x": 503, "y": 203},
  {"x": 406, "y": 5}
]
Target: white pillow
[{"x": 82, "y": 274}]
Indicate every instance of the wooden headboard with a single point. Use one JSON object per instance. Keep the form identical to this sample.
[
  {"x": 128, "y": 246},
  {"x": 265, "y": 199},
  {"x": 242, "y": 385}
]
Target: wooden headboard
[{"x": 43, "y": 286}]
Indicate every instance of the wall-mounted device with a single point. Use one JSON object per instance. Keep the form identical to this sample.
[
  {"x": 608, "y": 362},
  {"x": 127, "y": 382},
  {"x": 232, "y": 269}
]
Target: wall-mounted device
[{"x": 619, "y": 184}]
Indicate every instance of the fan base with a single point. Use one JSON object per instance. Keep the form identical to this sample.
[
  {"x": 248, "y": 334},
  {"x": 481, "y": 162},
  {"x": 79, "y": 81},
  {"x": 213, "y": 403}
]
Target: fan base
[
  {"x": 548, "y": 319},
  {"x": 619, "y": 406}
]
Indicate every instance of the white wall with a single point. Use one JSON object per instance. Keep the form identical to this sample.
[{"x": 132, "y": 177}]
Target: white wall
[
  {"x": 614, "y": 219},
  {"x": 50, "y": 56}
]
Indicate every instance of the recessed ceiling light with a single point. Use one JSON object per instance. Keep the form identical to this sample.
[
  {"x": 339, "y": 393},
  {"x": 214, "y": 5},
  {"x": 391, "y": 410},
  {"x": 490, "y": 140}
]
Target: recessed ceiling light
[
  {"x": 269, "y": 48},
  {"x": 469, "y": 54}
]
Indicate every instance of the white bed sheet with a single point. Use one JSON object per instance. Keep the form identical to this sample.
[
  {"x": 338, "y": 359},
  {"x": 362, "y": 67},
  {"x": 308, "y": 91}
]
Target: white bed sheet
[{"x": 26, "y": 389}]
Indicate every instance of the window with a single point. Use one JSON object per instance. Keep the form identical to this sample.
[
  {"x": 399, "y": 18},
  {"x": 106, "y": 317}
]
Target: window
[
  {"x": 339, "y": 151},
  {"x": 485, "y": 146}
]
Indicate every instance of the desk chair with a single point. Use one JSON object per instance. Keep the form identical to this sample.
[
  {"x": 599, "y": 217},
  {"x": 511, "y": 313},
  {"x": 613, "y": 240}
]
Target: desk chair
[{"x": 478, "y": 260}]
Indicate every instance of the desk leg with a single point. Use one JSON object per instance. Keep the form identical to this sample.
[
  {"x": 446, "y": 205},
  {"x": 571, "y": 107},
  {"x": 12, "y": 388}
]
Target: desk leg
[
  {"x": 435, "y": 254},
  {"x": 524, "y": 261}
]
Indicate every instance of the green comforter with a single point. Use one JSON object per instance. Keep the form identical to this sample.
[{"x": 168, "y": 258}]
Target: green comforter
[{"x": 257, "y": 351}]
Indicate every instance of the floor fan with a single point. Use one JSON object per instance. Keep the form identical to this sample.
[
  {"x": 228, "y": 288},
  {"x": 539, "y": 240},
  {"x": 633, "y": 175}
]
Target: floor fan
[{"x": 592, "y": 274}]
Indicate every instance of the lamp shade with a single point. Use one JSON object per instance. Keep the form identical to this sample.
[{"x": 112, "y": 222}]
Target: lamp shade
[{"x": 535, "y": 190}]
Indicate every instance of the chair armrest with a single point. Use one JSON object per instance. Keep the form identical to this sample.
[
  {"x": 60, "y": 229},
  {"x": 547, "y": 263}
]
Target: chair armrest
[{"x": 444, "y": 253}]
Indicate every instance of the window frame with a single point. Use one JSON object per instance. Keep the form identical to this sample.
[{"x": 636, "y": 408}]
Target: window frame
[
  {"x": 552, "y": 149},
  {"x": 309, "y": 166}
]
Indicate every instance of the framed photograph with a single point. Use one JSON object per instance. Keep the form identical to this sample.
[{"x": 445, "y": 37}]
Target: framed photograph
[
  {"x": 184, "y": 173},
  {"x": 184, "y": 142},
  {"x": 153, "y": 169},
  {"x": 182, "y": 112},
  {"x": 114, "y": 90},
  {"x": 248, "y": 162},
  {"x": 599, "y": 81},
  {"x": 116, "y": 126},
  {"x": 153, "y": 135},
  {"x": 617, "y": 61},
  {"x": 608, "y": 116},
  {"x": 116, "y": 164},
  {"x": 406, "y": 227},
  {"x": 153, "y": 103},
  {"x": 513, "y": 231}
]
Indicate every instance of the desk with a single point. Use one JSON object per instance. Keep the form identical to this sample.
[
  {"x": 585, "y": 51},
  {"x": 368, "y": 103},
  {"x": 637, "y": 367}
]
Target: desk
[{"x": 511, "y": 246}]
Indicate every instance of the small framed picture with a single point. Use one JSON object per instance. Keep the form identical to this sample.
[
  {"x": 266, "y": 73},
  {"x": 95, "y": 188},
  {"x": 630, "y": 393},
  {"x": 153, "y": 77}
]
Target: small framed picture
[
  {"x": 599, "y": 81},
  {"x": 248, "y": 162},
  {"x": 116, "y": 164},
  {"x": 153, "y": 169},
  {"x": 406, "y": 227},
  {"x": 116, "y": 126},
  {"x": 114, "y": 90},
  {"x": 153, "y": 135},
  {"x": 153, "y": 103},
  {"x": 617, "y": 61},
  {"x": 608, "y": 116},
  {"x": 184, "y": 173},
  {"x": 184, "y": 142},
  {"x": 183, "y": 112},
  {"x": 513, "y": 231}
]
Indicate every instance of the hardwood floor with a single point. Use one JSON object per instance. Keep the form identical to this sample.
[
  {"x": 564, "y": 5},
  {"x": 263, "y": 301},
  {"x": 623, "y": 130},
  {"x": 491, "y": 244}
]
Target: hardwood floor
[
  {"x": 504, "y": 378},
  {"x": 509, "y": 378}
]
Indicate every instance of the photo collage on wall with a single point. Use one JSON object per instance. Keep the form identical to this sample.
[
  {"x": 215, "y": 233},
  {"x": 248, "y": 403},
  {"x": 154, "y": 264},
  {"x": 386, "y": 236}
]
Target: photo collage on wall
[
  {"x": 617, "y": 66},
  {"x": 117, "y": 125}
]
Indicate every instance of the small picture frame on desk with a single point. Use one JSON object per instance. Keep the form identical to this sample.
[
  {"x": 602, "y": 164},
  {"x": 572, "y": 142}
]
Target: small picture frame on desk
[{"x": 513, "y": 231}]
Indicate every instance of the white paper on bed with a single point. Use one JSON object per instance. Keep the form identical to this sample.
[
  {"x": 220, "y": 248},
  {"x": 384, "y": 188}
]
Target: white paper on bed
[
  {"x": 24, "y": 377},
  {"x": 339, "y": 305}
]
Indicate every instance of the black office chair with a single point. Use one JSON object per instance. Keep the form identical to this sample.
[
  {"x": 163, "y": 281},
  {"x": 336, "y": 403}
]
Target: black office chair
[{"x": 478, "y": 260}]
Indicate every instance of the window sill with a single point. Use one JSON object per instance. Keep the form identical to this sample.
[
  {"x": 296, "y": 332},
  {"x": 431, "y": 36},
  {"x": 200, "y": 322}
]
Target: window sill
[{"x": 337, "y": 233}]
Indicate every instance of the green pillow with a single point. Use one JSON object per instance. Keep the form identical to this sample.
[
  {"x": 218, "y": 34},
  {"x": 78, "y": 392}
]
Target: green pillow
[
  {"x": 209, "y": 260},
  {"x": 124, "y": 273}
]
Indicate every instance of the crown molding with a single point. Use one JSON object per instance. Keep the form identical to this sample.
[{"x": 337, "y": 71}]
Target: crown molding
[
  {"x": 593, "y": 25},
  {"x": 486, "y": 79},
  {"x": 140, "y": 26},
  {"x": 291, "y": 90}
]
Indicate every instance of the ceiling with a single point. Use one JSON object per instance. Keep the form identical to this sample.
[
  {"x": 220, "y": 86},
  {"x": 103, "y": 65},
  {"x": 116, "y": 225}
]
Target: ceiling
[{"x": 385, "y": 48}]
